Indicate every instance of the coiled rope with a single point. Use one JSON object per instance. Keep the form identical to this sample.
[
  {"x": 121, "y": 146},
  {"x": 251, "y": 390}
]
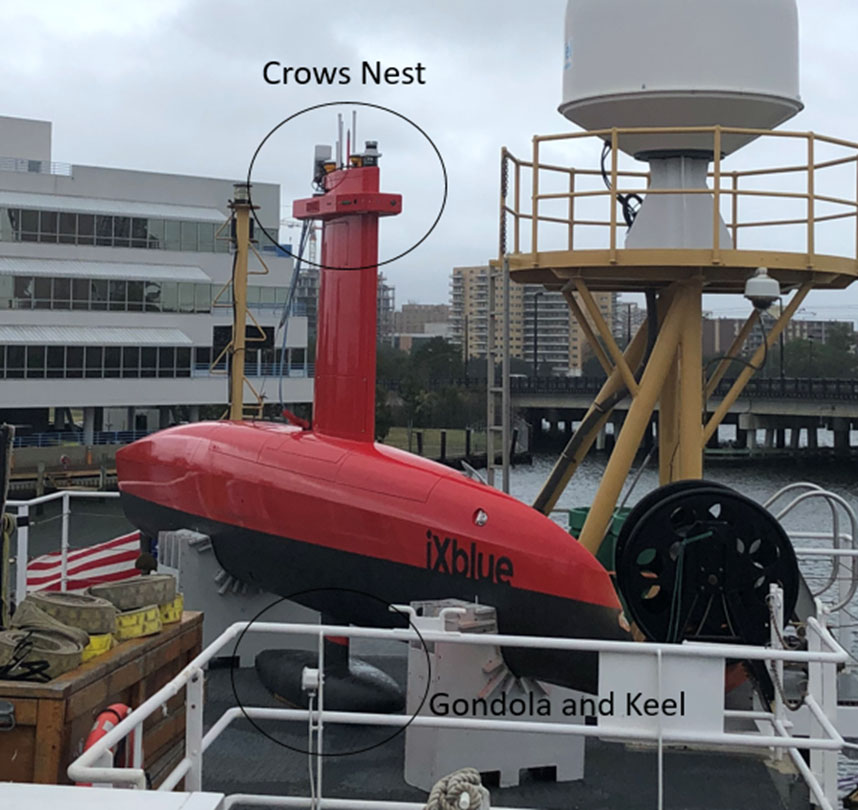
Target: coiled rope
[{"x": 460, "y": 790}]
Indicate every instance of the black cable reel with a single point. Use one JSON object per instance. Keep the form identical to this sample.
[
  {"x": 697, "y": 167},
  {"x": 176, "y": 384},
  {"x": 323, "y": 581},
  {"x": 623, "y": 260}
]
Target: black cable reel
[{"x": 695, "y": 560}]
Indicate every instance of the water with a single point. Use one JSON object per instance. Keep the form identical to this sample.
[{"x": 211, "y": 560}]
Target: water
[{"x": 756, "y": 480}]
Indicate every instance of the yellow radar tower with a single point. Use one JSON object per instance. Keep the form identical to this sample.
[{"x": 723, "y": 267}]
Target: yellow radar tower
[{"x": 784, "y": 221}]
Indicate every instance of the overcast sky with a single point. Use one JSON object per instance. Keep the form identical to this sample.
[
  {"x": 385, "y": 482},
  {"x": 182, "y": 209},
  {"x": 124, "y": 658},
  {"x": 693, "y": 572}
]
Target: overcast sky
[{"x": 177, "y": 87}]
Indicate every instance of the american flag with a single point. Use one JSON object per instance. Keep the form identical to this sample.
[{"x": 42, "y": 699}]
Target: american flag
[{"x": 104, "y": 562}]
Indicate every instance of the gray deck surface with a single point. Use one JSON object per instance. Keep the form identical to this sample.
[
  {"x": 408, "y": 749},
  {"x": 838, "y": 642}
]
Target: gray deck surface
[{"x": 243, "y": 760}]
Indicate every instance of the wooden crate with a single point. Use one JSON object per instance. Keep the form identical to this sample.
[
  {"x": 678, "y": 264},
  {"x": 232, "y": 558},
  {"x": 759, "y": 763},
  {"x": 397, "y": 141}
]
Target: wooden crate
[{"x": 52, "y": 720}]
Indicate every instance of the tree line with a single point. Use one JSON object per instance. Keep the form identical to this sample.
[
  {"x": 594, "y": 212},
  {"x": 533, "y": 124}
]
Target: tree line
[
  {"x": 432, "y": 387},
  {"x": 427, "y": 388}
]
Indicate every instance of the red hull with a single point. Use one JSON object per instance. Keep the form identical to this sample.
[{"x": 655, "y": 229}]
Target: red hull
[
  {"x": 362, "y": 498},
  {"x": 290, "y": 511}
]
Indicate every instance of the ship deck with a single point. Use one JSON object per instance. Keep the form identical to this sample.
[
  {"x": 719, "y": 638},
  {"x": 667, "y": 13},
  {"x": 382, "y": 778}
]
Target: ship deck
[{"x": 243, "y": 760}]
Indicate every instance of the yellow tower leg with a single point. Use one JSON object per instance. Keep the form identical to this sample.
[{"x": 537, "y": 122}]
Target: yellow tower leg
[
  {"x": 639, "y": 415},
  {"x": 668, "y": 425},
  {"x": 691, "y": 384},
  {"x": 581, "y": 442}
]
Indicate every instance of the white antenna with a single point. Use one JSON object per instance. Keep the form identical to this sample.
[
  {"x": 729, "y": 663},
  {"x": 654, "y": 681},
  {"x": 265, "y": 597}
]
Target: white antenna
[
  {"x": 339, "y": 140},
  {"x": 680, "y": 76},
  {"x": 354, "y": 131}
]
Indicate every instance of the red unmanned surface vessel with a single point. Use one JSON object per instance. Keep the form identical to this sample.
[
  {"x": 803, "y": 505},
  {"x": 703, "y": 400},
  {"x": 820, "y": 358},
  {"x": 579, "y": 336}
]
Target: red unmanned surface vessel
[{"x": 291, "y": 509}]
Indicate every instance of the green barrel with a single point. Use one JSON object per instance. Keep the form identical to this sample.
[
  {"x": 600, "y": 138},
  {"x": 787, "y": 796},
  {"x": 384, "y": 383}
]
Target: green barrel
[{"x": 605, "y": 556}]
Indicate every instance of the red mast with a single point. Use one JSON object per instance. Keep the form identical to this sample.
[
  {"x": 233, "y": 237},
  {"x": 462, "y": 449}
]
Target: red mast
[{"x": 344, "y": 390}]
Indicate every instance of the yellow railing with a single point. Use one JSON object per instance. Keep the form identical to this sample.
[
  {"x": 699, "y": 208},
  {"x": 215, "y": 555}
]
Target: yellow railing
[{"x": 724, "y": 185}]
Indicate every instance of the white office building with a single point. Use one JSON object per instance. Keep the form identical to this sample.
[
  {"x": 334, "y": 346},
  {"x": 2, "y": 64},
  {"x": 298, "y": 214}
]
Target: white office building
[{"x": 112, "y": 299}]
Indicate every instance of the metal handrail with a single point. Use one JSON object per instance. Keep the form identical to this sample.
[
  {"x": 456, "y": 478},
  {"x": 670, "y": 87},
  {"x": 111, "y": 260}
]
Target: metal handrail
[
  {"x": 22, "y": 509},
  {"x": 806, "y": 485},
  {"x": 825, "y": 652},
  {"x": 298, "y": 371},
  {"x": 781, "y": 387},
  {"x": 835, "y": 522},
  {"x": 834, "y": 500},
  {"x": 760, "y": 387},
  {"x": 75, "y": 437},
  {"x": 27, "y": 166},
  {"x": 726, "y": 183}
]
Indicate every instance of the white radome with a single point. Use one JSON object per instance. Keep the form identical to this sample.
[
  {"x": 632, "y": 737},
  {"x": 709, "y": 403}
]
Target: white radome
[{"x": 672, "y": 63}]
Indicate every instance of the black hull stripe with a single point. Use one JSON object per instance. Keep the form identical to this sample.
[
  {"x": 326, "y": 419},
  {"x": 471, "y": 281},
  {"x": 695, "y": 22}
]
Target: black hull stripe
[{"x": 285, "y": 566}]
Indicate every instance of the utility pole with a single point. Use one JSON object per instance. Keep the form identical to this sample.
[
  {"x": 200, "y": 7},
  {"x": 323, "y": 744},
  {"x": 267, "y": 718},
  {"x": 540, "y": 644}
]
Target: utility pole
[
  {"x": 466, "y": 348},
  {"x": 241, "y": 208},
  {"x": 536, "y": 333},
  {"x": 781, "y": 343},
  {"x": 628, "y": 324}
]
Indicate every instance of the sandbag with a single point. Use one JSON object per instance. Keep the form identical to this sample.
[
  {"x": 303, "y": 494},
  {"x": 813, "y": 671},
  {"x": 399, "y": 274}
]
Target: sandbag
[
  {"x": 38, "y": 655},
  {"x": 137, "y": 592},
  {"x": 89, "y": 613},
  {"x": 29, "y": 616}
]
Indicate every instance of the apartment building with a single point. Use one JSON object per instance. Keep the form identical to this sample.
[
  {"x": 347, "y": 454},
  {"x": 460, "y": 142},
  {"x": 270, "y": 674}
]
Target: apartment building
[
  {"x": 413, "y": 318},
  {"x": 542, "y": 329}
]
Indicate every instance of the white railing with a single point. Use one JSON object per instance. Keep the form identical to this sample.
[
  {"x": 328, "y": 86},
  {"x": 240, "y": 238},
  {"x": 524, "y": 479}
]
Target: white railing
[
  {"x": 843, "y": 551},
  {"x": 27, "y": 166},
  {"x": 822, "y": 659},
  {"x": 22, "y": 513}
]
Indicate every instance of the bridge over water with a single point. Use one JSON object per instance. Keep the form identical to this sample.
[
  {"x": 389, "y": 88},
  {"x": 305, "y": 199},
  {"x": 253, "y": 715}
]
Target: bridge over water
[{"x": 782, "y": 407}]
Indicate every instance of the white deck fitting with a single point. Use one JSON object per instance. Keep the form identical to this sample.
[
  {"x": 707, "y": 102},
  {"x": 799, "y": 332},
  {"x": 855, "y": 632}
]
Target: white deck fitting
[{"x": 461, "y": 672}]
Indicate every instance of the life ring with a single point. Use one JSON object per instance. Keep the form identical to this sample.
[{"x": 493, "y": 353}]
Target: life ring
[{"x": 122, "y": 754}]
